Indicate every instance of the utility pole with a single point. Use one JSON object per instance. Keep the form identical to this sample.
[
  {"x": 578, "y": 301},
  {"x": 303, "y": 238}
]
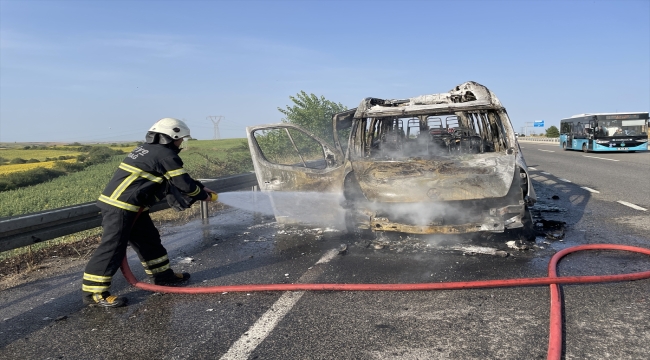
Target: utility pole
[
  {"x": 215, "y": 120},
  {"x": 528, "y": 124}
]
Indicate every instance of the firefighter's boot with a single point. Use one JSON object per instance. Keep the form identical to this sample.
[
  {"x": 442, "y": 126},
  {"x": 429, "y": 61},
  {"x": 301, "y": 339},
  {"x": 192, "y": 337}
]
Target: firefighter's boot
[
  {"x": 170, "y": 278},
  {"x": 104, "y": 299}
]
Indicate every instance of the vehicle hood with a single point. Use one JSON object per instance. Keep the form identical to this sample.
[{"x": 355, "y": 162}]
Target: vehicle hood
[{"x": 478, "y": 176}]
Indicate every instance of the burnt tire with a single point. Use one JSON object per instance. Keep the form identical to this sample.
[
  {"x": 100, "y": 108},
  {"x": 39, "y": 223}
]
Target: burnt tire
[
  {"x": 353, "y": 229},
  {"x": 527, "y": 232},
  {"x": 584, "y": 148},
  {"x": 564, "y": 146}
]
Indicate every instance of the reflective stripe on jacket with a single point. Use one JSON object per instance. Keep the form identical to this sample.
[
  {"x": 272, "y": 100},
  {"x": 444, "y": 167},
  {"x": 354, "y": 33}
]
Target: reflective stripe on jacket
[{"x": 140, "y": 180}]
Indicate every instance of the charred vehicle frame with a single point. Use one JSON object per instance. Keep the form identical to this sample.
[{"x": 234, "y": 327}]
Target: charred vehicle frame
[{"x": 446, "y": 163}]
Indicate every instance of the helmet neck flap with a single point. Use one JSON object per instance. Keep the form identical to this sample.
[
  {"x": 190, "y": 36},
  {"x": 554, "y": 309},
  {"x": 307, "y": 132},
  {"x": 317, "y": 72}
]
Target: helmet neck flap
[{"x": 158, "y": 138}]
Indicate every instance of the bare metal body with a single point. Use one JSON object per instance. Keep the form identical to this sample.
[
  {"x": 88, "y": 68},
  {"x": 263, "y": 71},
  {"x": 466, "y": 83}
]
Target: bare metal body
[{"x": 442, "y": 163}]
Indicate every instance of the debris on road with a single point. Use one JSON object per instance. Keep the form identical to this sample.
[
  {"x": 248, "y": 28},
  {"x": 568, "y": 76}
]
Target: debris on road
[
  {"x": 518, "y": 245},
  {"x": 185, "y": 260},
  {"x": 546, "y": 208},
  {"x": 551, "y": 229},
  {"x": 473, "y": 250},
  {"x": 342, "y": 249}
]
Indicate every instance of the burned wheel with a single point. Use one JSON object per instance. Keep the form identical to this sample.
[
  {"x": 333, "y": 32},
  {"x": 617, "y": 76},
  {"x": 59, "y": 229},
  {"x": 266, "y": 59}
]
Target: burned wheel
[
  {"x": 584, "y": 148},
  {"x": 352, "y": 226},
  {"x": 527, "y": 232},
  {"x": 564, "y": 146}
]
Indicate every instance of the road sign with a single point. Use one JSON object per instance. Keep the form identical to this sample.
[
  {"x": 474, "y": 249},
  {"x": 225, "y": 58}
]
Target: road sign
[{"x": 538, "y": 123}]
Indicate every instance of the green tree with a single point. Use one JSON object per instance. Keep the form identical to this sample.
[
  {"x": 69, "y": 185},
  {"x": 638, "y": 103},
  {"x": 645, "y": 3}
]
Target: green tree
[
  {"x": 552, "y": 132},
  {"x": 312, "y": 113}
]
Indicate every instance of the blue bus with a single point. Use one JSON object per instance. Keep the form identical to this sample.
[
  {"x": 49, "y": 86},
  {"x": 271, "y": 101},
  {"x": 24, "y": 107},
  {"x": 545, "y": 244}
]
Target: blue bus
[{"x": 605, "y": 132}]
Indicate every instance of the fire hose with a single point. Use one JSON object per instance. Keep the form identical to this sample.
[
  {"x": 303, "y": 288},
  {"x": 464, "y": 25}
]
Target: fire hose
[{"x": 555, "y": 331}]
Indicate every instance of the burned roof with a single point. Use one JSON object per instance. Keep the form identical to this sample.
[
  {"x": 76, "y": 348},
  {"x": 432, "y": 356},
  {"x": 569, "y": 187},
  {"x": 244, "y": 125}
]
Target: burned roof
[{"x": 466, "y": 96}]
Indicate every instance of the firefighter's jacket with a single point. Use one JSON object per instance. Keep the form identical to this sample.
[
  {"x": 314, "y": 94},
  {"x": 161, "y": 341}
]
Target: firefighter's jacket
[{"x": 142, "y": 178}]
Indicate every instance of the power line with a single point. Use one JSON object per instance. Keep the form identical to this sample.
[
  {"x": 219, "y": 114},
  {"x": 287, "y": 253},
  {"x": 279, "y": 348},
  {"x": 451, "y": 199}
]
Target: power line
[{"x": 215, "y": 120}]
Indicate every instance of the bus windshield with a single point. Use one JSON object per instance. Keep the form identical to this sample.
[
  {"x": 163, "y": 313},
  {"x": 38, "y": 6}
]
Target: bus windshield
[{"x": 606, "y": 128}]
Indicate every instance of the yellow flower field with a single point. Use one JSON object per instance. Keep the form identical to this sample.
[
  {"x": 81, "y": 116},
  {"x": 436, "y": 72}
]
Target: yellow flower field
[
  {"x": 8, "y": 169},
  {"x": 35, "y": 154}
]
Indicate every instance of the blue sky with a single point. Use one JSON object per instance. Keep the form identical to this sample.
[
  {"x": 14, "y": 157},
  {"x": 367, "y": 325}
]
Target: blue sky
[{"x": 106, "y": 71}]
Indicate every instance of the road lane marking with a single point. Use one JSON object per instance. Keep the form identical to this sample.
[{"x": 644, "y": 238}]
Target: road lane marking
[
  {"x": 545, "y": 173},
  {"x": 596, "y": 157},
  {"x": 590, "y": 190},
  {"x": 545, "y": 150},
  {"x": 636, "y": 207},
  {"x": 246, "y": 344},
  {"x": 565, "y": 180},
  {"x": 532, "y": 168}
]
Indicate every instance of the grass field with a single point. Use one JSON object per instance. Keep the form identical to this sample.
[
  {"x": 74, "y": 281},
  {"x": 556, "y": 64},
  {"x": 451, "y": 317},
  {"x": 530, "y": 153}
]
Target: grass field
[
  {"x": 203, "y": 146},
  {"x": 86, "y": 185}
]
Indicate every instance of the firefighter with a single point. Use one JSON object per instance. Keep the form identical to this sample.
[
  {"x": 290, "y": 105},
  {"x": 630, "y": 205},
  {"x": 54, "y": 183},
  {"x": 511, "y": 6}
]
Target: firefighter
[{"x": 142, "y": 179}]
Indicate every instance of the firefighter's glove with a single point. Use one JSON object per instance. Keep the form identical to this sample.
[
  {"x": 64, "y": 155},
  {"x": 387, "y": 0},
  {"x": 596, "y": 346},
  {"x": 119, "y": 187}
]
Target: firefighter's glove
[{"x": 212, "y": 196}]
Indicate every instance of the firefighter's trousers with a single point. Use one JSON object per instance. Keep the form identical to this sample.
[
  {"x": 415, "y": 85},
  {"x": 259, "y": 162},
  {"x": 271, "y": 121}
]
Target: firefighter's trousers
[{"x": 119, "y": 229}]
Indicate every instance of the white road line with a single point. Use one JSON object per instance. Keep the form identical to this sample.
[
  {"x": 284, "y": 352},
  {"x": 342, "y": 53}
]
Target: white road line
[
  {"x": 590, "y": 190},
  {"x": 244, "y": 346},
  {"x": 532, "y": 168},
  {"x": 596, "y": 157},
  {"x": 545, "y": 150},
  {"x": 565, "y": 180},
  {"x": 636, "y": 207},
  {"x": 545, "y": 173}
]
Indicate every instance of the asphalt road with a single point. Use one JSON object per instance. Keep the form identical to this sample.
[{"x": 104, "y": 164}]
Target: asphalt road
[
  {"x": 44, "y": 319},
  {"x": 612, "y": 176}
]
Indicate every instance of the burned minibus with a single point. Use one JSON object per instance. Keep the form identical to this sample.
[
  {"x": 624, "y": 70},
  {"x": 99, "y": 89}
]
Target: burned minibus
[{"x": 446, "y": 163}]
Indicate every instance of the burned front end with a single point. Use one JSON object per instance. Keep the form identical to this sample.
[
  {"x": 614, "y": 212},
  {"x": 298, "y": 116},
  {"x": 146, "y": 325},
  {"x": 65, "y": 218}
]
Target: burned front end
[{"x": 444, "y": 163}]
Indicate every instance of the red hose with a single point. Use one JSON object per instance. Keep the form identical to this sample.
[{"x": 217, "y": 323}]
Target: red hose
[{"x": 555, "y": 332}]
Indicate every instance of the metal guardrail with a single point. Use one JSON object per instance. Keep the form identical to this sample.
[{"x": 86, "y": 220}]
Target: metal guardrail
[
  {"x": 24, "y": 230},
  {"x": 539, "y": 139}
]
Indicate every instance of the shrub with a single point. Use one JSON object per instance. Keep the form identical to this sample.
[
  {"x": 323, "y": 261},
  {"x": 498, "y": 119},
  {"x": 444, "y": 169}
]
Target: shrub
[
  {"x": 31, "y": 161},
  {"x": 29, "y": 177},
  {"x": 235, "y": 160},
  {"x": 18, "y": 161},
  {"x": 100, "y": 154},
  {"x": 68, "y": 166},
  {"x": 27, "y": 147}
]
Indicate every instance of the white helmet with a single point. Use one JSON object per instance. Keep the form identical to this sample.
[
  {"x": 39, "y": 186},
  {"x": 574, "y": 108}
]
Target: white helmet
[{"x": 174, "y": 128}]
